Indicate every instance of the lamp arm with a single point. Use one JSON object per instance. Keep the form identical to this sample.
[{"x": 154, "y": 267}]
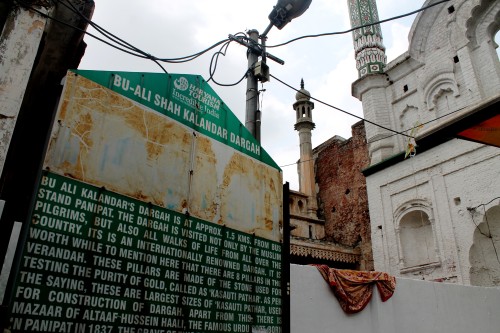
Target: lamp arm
[
  {"x": 269, "y": 27},
  {"x": 256, "y": 49}
]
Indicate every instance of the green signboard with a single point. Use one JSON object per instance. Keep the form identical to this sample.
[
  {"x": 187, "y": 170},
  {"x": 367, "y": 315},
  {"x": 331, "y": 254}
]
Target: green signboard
[
  {"x": 157, "y": 212},
  {"x": 187, "y": 99},
  {"x": 97, "y": 261}
]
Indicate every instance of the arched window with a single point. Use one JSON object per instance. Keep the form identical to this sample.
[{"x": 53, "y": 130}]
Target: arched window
[
  {"x": 417, "y": 239},
  {"x": 301, "y": 206},
  {"x": 418, "y": 248},
  {"x": 485, "y": 251}
]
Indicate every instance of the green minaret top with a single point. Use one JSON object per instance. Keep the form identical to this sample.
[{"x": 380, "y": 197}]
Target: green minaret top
[{"x": 368, "y": 46}]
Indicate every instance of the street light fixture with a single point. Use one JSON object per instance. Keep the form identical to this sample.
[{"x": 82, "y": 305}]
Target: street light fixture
[{"x": 284, "y": 12}]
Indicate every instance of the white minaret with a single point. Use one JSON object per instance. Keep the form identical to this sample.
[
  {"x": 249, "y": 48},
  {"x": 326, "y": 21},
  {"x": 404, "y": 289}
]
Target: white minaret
[
  {"x": 371, "y": 86},
  {"x": 368, "y": 45},
  {"x": 304, "y": 125}
]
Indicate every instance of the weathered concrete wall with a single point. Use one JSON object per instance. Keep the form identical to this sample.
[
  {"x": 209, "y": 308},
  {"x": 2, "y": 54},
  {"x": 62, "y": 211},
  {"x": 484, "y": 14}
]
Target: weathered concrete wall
[
  {"x": 35, "y": 55},
  {"x": 342, "y": 192},
  {"x": 18, "y": 47},
  {"x": 416, "y": 307}
]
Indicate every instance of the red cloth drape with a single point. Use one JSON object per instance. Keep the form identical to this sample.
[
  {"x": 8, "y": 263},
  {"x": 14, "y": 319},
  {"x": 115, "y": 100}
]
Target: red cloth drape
[{"x": 354, "y": 289}]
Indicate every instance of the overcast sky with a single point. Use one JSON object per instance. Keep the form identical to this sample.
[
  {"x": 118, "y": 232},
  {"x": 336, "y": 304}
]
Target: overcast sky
[{"x": 169, "y": 29}]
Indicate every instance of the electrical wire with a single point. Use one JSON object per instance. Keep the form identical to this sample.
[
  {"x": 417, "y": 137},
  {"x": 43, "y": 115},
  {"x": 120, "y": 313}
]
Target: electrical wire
[
  {"x": 486, "y": 204},
  {"x": 213, "y": 66},
  {"x": 386, "y": 137},
  {"x": 126, "y": 47},
  {"x": 261, "y": 91},
  {"x": 344, "y": 111},
  {"x": 143, "y": 54},
  {"x": 123, "y": 43},
  {"x": 169, "y": 60},
  {"x": 102, "y": 31},
  {"x": 130, "y": 49},
  {"x": 28, "y": 6},
  {"x": 116, "y": 42},
  {"x": 123, "y": 46},
  {"x": 358, "y": 27}
]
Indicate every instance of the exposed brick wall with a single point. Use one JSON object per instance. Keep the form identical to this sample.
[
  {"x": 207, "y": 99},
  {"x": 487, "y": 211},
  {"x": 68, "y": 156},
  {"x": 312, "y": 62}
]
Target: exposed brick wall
[{"x": 342, "y": 192}]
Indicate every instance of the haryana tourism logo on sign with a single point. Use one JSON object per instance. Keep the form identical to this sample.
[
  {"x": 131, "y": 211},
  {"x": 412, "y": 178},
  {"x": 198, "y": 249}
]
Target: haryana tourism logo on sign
[
  {"x": 196, "y": 97},
  {"x": 181, "y": 83}
]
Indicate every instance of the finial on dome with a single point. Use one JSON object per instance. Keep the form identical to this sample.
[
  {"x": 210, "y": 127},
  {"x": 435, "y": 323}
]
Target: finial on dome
[{"x": 302, "y": 94}]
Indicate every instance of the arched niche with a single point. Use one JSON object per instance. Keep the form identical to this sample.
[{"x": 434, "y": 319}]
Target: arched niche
[
  {"x": 416, "y": 236},
  {"x": 485, "y": 250}
]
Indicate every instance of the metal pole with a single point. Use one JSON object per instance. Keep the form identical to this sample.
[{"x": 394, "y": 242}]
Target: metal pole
[
  {"x": 252, "y": 93},
  {"x": 258, "y": 112},
  {"x": 285, "y": 261}
]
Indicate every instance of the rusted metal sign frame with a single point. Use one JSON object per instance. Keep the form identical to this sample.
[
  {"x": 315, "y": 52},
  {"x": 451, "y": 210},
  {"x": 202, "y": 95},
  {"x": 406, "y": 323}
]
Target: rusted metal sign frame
[{"x": 244, "y": 175}]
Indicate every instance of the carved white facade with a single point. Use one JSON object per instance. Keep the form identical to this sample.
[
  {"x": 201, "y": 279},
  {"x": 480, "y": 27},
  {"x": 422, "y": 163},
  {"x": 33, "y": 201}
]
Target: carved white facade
[{"x": 435, "y": 215}]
